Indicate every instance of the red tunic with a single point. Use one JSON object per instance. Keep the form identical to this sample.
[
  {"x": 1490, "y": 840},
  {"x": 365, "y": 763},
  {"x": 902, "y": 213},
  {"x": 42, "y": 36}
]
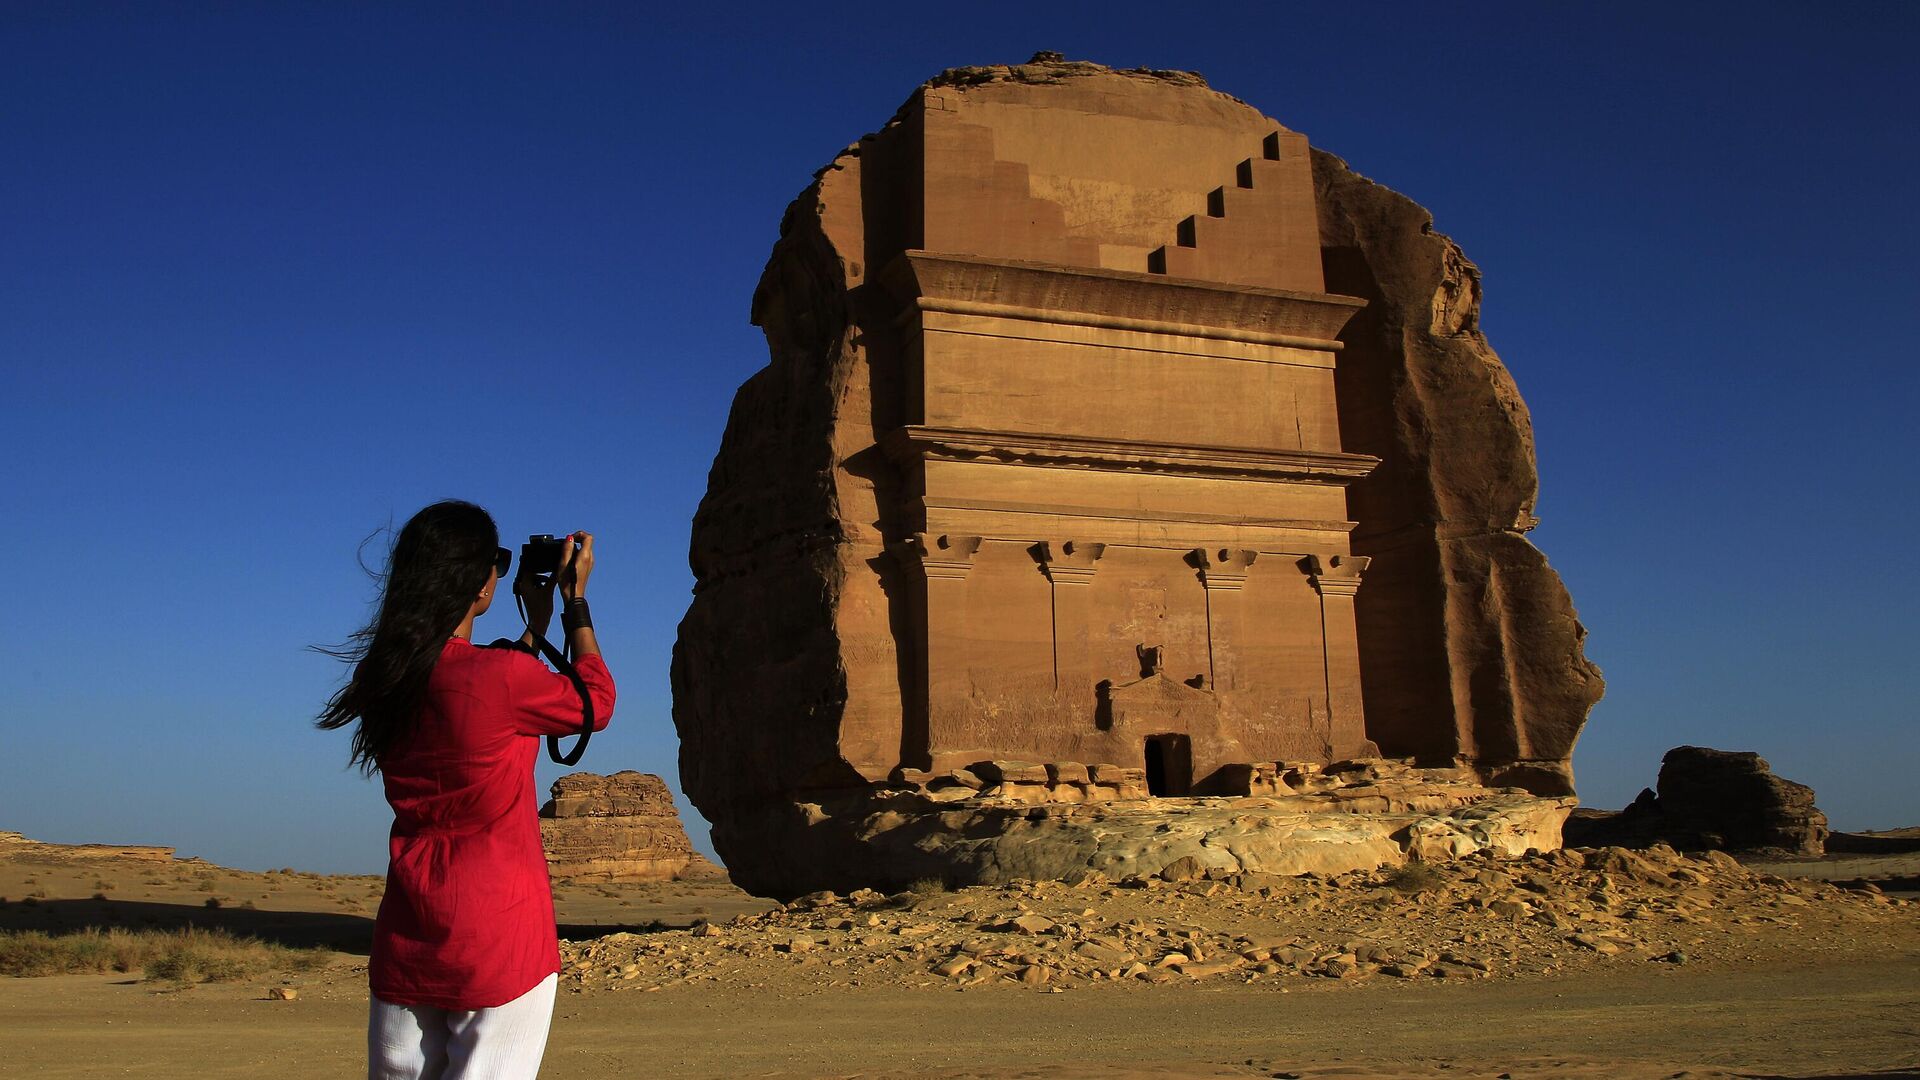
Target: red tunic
[{"x": 467, "y": 920}]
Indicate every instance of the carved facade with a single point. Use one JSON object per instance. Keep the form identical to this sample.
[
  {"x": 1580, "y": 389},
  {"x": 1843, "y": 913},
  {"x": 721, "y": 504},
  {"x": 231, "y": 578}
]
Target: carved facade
[{"x": 1077, "y": 482}]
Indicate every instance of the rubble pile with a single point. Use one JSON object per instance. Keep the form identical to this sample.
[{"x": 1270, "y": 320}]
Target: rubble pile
[{"x": 1479, "y": 917}]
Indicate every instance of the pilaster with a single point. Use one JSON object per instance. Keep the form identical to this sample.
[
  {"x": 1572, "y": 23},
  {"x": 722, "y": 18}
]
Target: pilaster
[
  {"x": 1337, "y": 579},
  {"x": 937, "y": 567},
  {"x": 1223, "y": 573},
  {"x": 1069, "y": 566}
]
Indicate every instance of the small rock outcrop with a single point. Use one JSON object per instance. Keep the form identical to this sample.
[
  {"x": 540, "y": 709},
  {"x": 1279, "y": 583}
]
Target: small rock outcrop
[
  {"x": 622, "y": 827},
  {"x": 1712, "y": 800}
]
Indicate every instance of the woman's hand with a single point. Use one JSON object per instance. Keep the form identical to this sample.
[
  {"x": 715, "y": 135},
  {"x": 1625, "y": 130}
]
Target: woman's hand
[
  {"x": 576, "y": 554},
  {"x": 538, "y": 599}
]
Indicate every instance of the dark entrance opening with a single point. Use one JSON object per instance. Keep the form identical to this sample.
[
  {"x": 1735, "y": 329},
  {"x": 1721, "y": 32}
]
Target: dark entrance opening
[{"x": 1169, "y": 765}]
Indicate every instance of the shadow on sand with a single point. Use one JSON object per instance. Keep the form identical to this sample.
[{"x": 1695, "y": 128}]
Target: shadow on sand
[{"x": 340, "y": 931}]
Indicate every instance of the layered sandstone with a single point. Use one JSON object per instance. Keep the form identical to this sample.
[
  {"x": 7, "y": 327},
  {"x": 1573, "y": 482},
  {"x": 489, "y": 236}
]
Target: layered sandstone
[
  {"x": 622, "y": 827},
  {"x": 1107, "y": 422}
]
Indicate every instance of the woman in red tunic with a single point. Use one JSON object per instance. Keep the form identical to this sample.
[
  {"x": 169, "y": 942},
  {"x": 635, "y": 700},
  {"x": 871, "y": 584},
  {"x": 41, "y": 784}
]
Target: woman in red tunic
[{"x": 465, "y": 952}]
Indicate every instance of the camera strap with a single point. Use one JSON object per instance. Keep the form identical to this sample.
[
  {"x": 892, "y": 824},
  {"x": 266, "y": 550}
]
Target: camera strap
[
  {"x": 559, "y": 661},
  {"x": 565, "y": 666}
]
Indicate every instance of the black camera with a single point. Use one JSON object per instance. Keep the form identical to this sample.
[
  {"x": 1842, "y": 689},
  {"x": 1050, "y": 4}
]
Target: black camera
[{"x": 540, "y": 557}]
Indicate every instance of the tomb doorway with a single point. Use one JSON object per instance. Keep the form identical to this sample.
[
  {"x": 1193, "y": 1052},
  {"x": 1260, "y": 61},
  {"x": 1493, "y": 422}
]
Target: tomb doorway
[{"x": 1169, "y": 765}]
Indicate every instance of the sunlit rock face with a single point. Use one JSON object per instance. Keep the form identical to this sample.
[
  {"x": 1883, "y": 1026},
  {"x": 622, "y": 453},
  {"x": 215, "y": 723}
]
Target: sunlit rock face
[
  {"x": 622, "y": 827},
  {"x": 1108, "y": 428}
]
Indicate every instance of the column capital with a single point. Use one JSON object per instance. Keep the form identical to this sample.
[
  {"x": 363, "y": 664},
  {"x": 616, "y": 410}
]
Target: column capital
[
  {"x": 1335, "y": 575},
  {"x": 947, "y": 556},
  {"x": 1068, "y": 562},
  {"x": 1222, "y": 569}
]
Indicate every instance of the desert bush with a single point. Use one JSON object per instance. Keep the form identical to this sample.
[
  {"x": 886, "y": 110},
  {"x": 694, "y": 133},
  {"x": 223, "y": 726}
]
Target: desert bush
[
  {"x": 216, "y": 956},
  {"x": 32, "y": 952},
  {"x": 188, "y": 955},
  {"x": 927, "y": 886},
  {"x": 1414, "y": 877}
]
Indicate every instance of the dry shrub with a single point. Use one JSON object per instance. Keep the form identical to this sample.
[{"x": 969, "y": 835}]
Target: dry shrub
[
  {"x": 927, "y": 886},
  {"x": 189, "y": 955},
  {"x": 1414, "y": 877}
]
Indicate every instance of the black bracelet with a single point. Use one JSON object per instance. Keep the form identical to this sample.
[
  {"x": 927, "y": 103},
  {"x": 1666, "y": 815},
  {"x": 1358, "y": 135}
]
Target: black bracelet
[{"x": 576, "y": 615}]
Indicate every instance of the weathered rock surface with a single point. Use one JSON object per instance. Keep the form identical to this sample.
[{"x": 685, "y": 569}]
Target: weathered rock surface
[
  {"x": 1713, "y": 800},
  {"x": 1028, "y": 824},
  {"x": 1469, "y": 644},
  {"x": 1057, "y": 458},
  {"x": 622, "y": 827}
]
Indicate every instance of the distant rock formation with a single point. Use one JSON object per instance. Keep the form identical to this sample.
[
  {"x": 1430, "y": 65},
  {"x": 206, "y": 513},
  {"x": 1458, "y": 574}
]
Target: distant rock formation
[
  {"x": 13, "y": 844},
  {"x": 1711, "y": 800},
  {"x": 622, "y": 827}
]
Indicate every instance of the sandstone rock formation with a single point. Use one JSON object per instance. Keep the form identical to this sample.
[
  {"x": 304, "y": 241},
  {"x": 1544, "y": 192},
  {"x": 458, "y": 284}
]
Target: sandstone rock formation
[
  {"x": 622, "y": 827},
  {"x": 1109, "y": 427},
  {"x": 1469, "y": 644},
  {"x": 1713, "y": 800}
]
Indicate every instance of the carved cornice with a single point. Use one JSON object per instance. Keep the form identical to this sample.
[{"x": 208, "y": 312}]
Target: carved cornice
[
  {"x": 1118, "y": 300},
  {"x": 943, "y": 557},
  {"x": 1070, "y": 562},
  {"x": 1335, "y": 575},
  {"x": 1222, "y": 569},
  {"x": 917, "y": 441}
]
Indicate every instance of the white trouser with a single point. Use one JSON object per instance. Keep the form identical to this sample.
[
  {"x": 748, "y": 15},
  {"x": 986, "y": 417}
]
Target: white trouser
[{"x": 420, "y": 1042}]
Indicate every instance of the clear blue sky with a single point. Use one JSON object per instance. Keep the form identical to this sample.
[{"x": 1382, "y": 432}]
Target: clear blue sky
[{"x": 274, "y": 276}]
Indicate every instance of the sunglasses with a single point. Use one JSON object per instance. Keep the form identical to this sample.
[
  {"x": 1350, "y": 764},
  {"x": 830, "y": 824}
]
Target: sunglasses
[{"x": 502, "y": 559}]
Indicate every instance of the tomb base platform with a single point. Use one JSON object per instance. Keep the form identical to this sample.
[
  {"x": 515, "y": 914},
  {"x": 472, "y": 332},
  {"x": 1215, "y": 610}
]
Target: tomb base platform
[{"x": 964, "y": 828}]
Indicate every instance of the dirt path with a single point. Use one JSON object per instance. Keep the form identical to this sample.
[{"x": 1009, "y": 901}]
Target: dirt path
[{"x": 1852, "y": 1019}]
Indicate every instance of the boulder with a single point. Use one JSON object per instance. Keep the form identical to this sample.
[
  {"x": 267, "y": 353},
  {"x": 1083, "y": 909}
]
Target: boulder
[{"x": 1711, "y": 800}]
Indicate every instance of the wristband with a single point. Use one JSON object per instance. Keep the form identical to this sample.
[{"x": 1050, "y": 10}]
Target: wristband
[{"x": 576, "y": 615}]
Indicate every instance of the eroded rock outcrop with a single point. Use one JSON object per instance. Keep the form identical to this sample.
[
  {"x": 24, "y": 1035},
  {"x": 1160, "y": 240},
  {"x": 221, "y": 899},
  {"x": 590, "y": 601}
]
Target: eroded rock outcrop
[
  {"x": 1469, "y": 643},
  {"x": 1712, "y": 800},
  {"x": 1107, "y": 422},
  {"x": 622, "y": 827}
]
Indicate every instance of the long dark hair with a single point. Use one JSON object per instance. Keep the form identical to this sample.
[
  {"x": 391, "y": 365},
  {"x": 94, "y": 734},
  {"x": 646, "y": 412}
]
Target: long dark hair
[{"x": 438, "y": 565}]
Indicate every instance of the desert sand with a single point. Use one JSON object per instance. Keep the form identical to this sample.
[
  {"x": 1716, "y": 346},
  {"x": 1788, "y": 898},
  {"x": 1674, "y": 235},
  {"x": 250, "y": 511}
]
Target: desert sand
[{"x": 1777, "y": 977}]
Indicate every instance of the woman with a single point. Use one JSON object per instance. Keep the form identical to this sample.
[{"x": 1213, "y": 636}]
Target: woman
[{"x": 465, "y": 953}]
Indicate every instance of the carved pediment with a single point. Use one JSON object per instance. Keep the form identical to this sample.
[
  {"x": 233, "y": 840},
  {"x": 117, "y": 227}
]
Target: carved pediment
[{"x": 1158, "y": 689}]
